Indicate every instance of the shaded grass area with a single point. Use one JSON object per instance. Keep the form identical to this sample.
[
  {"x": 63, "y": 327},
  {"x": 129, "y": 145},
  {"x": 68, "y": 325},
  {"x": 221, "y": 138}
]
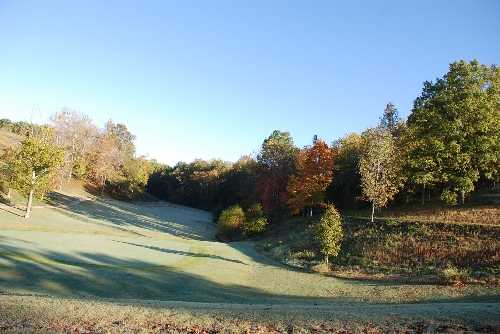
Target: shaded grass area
[
  {"x": 94, "y": 274},
  {"x": 101, "y": 275},
  {"x": 182, "y": 222},
  {"x": 432, "y": 251},
  {"x": 27, "y": 314}
]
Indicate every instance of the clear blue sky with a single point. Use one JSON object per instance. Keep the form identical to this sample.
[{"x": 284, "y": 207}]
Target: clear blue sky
[{"x": 212, "y": 79}]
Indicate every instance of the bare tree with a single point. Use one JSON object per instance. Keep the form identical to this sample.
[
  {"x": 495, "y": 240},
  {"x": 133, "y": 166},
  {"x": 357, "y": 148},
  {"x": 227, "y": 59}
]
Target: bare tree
[{"x": 77, "y": 135}]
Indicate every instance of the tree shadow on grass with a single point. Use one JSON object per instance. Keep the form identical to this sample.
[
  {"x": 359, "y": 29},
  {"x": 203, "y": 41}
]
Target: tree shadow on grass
[
  {"x": 180, "y": 222},
  {"x": 87, "y": 274},
  {"x": 12, "y": 210},
  {"x": 99, "y": 275},
  {"x": 183, "y": 253}
]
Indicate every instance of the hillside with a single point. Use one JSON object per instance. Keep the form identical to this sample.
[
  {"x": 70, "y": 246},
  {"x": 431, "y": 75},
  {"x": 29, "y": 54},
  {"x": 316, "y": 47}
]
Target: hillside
[
  {"x": 86, "y": 247},
  {"x": 394, "y": 250},
  {"x": 8, "y": 139}
]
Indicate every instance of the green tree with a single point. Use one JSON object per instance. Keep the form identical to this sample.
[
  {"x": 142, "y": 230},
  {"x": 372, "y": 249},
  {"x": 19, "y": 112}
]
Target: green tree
[
  {"x": 131, "y": 184},
  {"x": 6, "y": 173},
  {"x": 345, "y": 189},
  {"x": 5, "y": 123},
  {"x": 32, "y": 166},
  {"x": 329, "y": 232},
  {"x": 454, "y": 129},
  {"x": 380, "y": 168},
  {"x": 390, "y": 118},
  {"x": 239, "y": 184},
  {"x": 276, "y": 161}
]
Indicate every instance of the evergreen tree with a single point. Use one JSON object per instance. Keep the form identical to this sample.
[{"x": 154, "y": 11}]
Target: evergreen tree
[{"x": 329, "y": 232}]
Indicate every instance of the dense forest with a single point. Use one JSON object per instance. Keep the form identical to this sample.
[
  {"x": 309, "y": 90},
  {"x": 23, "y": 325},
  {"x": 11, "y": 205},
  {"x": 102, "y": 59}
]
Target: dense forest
[{"x": 448, "y": 148}]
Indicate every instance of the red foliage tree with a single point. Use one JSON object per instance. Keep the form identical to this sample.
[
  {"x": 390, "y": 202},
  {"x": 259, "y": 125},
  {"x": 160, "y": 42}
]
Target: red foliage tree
[{"x": 306, "y": 188}]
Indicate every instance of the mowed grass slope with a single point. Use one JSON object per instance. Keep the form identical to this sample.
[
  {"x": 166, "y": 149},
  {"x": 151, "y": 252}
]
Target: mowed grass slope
[{"x": 86, "y": 247}]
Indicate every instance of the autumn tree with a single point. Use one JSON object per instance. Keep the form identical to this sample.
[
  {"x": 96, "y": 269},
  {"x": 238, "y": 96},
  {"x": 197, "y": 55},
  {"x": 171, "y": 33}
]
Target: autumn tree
[
  {"x": 123, "y": 138},
  {"x": 314, "y": 168},
  {"x": 454, "y": 129},
  {"x": 33, "y": 165},
  {"x": 76, "y": 134},
  {"x": 276, "y": 161},
  {"x": 380, "y": 168},
  {"x": 105, "y": 161}
]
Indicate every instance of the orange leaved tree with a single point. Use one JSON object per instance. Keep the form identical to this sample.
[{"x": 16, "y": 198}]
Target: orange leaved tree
[{"x": 306, "y": 188}]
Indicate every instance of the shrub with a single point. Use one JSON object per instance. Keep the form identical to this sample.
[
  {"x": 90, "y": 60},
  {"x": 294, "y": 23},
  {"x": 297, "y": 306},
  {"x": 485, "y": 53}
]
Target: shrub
[
  {"x": 329, "y": 232},
  {"x": 255, "y": 226},
  {"x": 256, "y": 222},
  {"x": 449, "y": 197},
  {"x": 231, "y": 221},
  {"x": 452, "y": 274},
  {"x": 255, "y": 211}
]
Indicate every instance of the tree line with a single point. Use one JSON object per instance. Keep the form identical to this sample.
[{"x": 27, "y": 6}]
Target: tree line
[
  {"x": 71, "y": 146},
  {"x": 448, "y": 147}
]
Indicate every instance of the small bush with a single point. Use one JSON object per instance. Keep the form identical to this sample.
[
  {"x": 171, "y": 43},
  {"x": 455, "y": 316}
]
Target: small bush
[
  {"x": 329, "y": 232},
  {"x": 255, "y": 222},
  {"x": 255, "y": 226},
  {"x": 452, "y": 274},
  {"x": 231, "y": 221},
  {"x": 254, "y": 212},
  {"x": 449, "y": 197}
]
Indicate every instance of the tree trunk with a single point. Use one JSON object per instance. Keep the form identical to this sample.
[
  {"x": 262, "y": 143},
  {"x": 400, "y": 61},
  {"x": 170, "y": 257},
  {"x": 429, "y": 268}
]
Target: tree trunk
[
  {"x": 310, "y": 212},
  {"x": 373, "y": 210},
  {"x": 9, "y": 193},
  {"x": 326, "y": 260},
  {"x": 423, "y": 195},
  {"x": 103, "y": 185},
  {"x": 462, "y": 196},
  {"x": 30, "y": 197}
]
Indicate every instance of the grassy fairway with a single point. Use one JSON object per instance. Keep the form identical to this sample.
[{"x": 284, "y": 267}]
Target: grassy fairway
[{"x": 82, "y": 247}]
